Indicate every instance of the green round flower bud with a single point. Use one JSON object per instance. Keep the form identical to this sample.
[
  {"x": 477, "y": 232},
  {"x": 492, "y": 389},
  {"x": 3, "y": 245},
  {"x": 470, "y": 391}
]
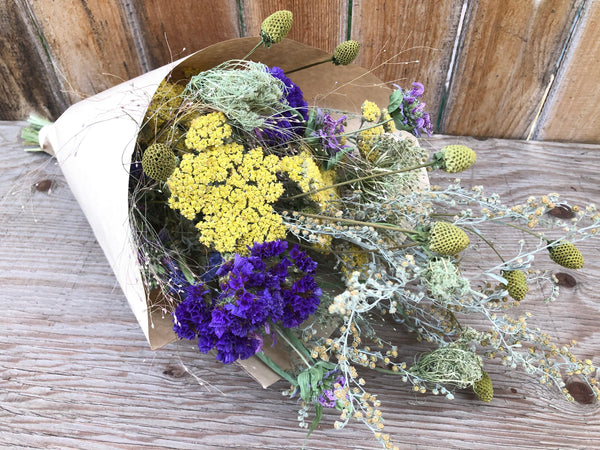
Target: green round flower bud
[
  {"x": 483, "y": 388},
  {"x": 345, "y": 53},
  {"x": 457, "y": 158},
  {"x": 276, "y": 27},
  {"x": 159, "y": 162},
  {"x": 517, "y": 284},
  {"x": 447, "y": 239},
  {"x": 567, "y": 255}
]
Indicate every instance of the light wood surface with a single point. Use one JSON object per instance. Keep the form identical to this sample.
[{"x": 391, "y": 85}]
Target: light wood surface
[{"x": 76, "y": 371}]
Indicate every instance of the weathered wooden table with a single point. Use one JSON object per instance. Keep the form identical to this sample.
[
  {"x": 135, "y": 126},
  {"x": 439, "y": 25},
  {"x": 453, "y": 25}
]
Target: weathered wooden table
[{"x": 76, "y": 371}]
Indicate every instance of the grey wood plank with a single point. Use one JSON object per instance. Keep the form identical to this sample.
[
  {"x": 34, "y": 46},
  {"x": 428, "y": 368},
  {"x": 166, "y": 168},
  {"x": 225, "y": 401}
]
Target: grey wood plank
[{"x": 76, "y": 371}]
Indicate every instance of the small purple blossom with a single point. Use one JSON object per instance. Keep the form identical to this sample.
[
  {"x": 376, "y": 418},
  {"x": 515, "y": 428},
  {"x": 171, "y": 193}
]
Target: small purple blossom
[
  {"x": 407, "y": 110},
  {"x": 327, "y": 131}
]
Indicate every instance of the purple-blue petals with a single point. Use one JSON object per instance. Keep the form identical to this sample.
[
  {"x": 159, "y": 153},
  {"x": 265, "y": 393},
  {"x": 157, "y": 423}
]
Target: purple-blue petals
[{"x": 270, "y": 285}]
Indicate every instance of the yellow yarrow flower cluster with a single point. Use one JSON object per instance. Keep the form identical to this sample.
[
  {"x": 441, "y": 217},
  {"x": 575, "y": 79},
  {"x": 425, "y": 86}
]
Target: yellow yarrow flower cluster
[
  {"x": 370, "y": 111},
  {"x": 303, "y": 170},
  {"x": 365, "y": 141},
  {"x": 234, "y": 191},
  {"x": 208, "y": 130}
]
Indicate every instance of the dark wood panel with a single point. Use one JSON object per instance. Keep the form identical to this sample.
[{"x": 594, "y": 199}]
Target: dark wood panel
[
  {"x": 571, "y": 112},
  {"x": 322, "y": 24},
  {"x": 406, "y": 41},
  {"x": 29, "y": 83},
  {"x": 90, "y": 42},
  {"x": 171, "y": 30},
  {"x": 508, "y": 53}
]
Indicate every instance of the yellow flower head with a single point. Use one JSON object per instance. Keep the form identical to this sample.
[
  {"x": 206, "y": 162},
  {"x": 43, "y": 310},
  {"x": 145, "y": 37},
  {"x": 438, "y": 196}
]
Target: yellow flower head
[
  {"x": 370, "y": 111},
  {"x": 208, "y": 130},
  {"x": 233, "y": 190},
  {"x": 366, "y": 139}
]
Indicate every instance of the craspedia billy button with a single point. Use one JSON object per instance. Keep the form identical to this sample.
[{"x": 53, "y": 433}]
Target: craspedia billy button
[
  {"x": 517, "y": 284},
  {"x": 447, "y": 239},
  {"x": 276, "y": 27},
  {"x": 457, "y": 158},
  {"x": 159, "y": 162},
  {"x": 567, "y": 255},
  {"x": 483, "y": 388},
  {"x": 345, "y": 53}
]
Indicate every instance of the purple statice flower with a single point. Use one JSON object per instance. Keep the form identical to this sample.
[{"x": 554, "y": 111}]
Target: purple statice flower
[
  {"x": 407, "y": 110},
  {"x": 327, "y": 131},
  {"x": 272, "y": 284},
  {"x": 289, "y": 123}
]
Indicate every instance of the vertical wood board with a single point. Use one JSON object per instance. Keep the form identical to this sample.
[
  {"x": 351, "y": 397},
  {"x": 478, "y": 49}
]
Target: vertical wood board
[
  {"x": 173, "y": 30},
  {"x": 509, "y": 51},
  {"x": 28, "y": 81},
  {"x": 321, "y": 24},
  {"x": 90, "y": 42},
  {"x": 571, "y": 112},
  {"x": 406, "y": 41}
]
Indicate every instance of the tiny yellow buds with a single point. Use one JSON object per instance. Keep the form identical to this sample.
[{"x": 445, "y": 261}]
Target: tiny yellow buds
[
  {"x": 447, "y": 239},
  {"x": 159, "y": 162},
  {"x": 567, "y": 255},
  {"x": 457, "y": 158},
  {"x": 483, "y": 388},
  {"x": 276, "y": 27},
  {"x": 345, "y": 53},
  {"x": 517, "y": 284}
]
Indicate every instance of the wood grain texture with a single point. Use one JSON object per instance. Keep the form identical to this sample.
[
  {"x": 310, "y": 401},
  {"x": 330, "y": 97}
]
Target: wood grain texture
[
  {"x": 171, "y": 31},
  {"x": 76, "y": 371},
  {"x": 90, "y": 42},
  {"x": 29, "y": 83},
  {"x": 322, "y": 24},
  {"x": 407, "y": 41},
  {"x": 508, "y": 53},
  {"x": 571, "y": 112}
]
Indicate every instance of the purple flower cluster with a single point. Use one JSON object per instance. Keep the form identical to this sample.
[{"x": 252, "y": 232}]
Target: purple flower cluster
[
  {"x": 410, "y": 112},
  {"x": 272, "y": 284},
  {"x": 283, "y": 126},
  {"x": 327, "y": 130}
]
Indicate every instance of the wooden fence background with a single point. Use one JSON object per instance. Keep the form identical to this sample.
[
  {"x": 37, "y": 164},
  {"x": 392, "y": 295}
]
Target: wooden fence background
[{"x": 514, "y": 69}]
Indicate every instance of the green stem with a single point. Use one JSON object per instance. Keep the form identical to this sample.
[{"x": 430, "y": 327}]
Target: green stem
[
  {"x": 278, "y": 370},
  {"x": 358, "y": 222},
  {"x": 254, "y": 49},
  {"x": 309, "y": 66},
  {"x": 488, "y": 243},
  {"x": 368, "y": 177}
]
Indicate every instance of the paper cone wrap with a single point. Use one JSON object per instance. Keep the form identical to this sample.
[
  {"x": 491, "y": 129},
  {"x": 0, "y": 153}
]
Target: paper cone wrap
[{"x": 94, "y": 140}]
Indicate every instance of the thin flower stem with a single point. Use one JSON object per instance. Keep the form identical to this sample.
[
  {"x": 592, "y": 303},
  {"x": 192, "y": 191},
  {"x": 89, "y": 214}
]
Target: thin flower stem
[
  {"x": 368, "y": 177},
  {"x": 357, "y": 222},
  {"x": 537, "y": 235},
  {"x": 487, "y": 242},
  {"x": 309, "y": 66},
  {"x": 253, "y": 50}
]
